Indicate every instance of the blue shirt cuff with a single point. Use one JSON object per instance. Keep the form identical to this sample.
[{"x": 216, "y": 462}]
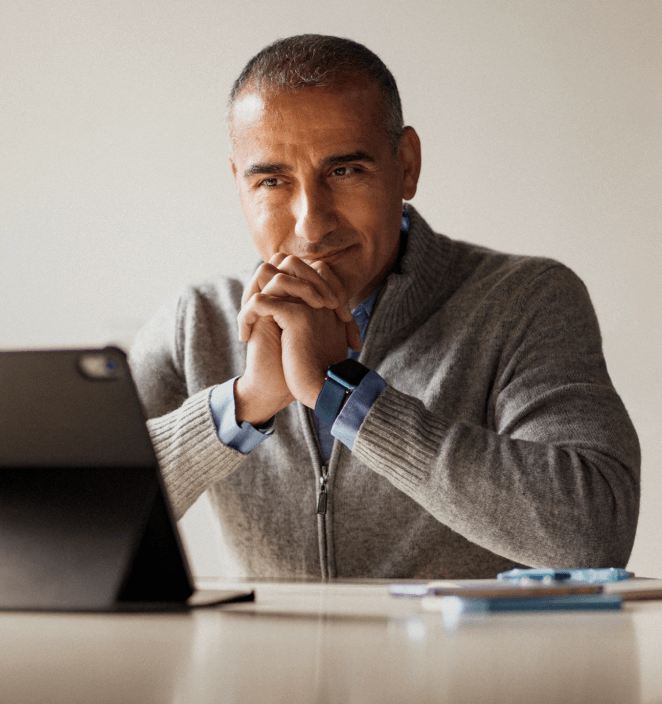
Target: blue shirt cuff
[
  {"x": 348, "y": 422},
  {"x": 242, "y": 438}
]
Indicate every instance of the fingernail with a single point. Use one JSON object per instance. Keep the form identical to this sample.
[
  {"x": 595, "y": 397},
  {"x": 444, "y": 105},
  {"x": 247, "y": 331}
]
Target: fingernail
[{"x": 332, "y": 297}]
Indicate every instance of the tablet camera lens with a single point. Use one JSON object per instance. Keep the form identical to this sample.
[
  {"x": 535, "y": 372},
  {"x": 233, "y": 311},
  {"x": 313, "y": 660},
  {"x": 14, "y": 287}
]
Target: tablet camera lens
[{"x": 99, "y": 365}]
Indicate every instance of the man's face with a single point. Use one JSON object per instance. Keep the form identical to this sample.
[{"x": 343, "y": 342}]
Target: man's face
[{"x": 318, "y": 179}]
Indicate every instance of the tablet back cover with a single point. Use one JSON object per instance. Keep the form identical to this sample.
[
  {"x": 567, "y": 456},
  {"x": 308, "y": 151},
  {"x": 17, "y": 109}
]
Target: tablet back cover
[{"x": 85, "y": 523}]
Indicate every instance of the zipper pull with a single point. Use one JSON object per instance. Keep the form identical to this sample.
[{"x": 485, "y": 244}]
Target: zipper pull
[{"x": 321, "y": 499}]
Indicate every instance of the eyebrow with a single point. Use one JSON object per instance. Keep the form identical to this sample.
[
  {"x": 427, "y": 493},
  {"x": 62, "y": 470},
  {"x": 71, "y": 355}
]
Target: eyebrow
[
  {"x": 347, "y": 159},
  {"x": 280, "y": 168},
  {"x": 270, "y": 168}
]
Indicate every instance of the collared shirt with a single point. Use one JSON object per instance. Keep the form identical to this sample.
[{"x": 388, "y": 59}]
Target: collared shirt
[{"x": 246, "y": 437}]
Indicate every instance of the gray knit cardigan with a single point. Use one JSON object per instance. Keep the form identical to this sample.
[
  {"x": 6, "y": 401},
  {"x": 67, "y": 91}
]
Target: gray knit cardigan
[{"x": 499, "y": 440}]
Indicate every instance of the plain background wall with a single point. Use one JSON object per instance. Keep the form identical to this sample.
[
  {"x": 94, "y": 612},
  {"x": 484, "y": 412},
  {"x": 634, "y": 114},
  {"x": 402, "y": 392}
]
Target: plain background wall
[{"x": 541, "y": 129}]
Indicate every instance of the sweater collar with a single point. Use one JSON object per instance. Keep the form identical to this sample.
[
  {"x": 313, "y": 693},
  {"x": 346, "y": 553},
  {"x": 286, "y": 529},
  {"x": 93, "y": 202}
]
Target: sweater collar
[{"x": 419, "y": 282}]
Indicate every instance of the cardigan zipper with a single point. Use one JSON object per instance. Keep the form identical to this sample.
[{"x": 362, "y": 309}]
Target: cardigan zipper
[
  {"x": 322, "y": 469},
  {"x": 323, "y": 492}
]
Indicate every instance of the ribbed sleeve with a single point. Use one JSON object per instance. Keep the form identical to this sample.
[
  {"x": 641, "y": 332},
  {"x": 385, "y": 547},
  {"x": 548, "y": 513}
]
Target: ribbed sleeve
[
  {"x": 400, "y": 440},
  {"x": 190, "y": 455}
]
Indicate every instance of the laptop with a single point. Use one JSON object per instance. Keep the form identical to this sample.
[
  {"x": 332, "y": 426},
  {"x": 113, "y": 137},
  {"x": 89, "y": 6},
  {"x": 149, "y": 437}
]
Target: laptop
[{"x": 85, "y": 521}]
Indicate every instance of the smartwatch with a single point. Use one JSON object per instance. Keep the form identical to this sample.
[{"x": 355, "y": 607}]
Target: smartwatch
[{"x": 341, "y": 380}]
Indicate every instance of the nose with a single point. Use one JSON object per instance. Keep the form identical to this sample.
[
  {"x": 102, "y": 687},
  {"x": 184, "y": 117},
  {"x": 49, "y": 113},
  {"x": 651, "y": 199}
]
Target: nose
[{"x": 315, "y": 217}]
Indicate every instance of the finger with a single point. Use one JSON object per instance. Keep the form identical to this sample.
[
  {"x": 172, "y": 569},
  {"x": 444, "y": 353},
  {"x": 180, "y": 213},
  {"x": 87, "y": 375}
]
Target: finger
[
  {"x": 354, "y": 336},
  {"x": 262, "y": 276},
  {"x": 277, "y": 258},
  {"x": 324, "y": 271},
  {"x": 285, "y": 312},
  {"x": 297, "y": 267},
  {"x": 245, "y": 320},
  {"x": 247, "y": 317},
  {"x": 262, "y": 305},
  {"x": 287, "y": 286}
]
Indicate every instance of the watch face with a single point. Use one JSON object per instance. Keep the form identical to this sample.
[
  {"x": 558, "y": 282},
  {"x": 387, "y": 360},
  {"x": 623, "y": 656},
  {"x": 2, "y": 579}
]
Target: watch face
[{"x": 349, "y": 372}]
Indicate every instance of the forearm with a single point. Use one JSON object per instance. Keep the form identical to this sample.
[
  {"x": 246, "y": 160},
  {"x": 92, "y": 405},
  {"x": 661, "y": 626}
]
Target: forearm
[
  {"x": 538, "y": 501},
  {"x": 189, "y": 452}
]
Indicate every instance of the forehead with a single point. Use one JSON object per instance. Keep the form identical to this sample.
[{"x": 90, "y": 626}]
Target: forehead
[{"x": 318, "y": 118}]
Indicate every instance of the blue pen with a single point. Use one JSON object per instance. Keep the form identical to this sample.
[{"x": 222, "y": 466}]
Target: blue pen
[{"x": 584, "y": 576}]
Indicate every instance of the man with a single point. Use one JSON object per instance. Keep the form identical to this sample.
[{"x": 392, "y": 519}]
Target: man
[{"x": 478, "y": 429}]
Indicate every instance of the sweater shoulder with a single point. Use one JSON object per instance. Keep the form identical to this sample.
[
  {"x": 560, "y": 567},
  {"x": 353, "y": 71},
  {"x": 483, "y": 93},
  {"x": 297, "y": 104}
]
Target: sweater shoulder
[
  {"x": 447, "y": 264},
  {"x": 221, "y": 294},
  {"x": 513, "y": 276},
  {"x": 479, "y": 261}
]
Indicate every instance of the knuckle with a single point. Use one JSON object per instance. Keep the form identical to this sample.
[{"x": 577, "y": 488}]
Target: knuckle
[
  {"x": 265, "y": 273},
  {"x": 294, "y": 266},
  {"x": 308, "y": 286},
  {"x": 280, "y": 278},
  {"x": 262, "y": 269},
  {"x": 286, "y": 261},
  {"x": 250, "y": 306}
]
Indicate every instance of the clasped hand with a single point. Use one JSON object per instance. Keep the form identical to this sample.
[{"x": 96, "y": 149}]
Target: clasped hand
[{"x": 296, "y": 320}]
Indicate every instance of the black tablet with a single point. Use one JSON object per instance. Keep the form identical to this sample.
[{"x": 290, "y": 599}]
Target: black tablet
[{"x": 85, "y": 522}]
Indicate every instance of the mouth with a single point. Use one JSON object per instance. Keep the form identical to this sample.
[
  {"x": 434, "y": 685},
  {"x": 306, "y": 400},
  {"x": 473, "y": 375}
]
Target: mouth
[{"x": 328, "y": 257}]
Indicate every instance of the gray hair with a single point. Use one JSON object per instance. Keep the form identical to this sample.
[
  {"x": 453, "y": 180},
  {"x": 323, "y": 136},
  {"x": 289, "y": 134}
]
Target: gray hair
[{"x": 311, "y": 60}]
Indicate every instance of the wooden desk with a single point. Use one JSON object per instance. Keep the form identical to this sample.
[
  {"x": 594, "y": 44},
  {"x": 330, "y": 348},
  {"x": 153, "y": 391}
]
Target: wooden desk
[{"x": 319, "y": 643}]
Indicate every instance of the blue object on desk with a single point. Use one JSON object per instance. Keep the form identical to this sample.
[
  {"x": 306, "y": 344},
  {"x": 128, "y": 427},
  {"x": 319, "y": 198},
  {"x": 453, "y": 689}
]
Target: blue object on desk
[
  {"x": 580, "y": 602},
  {"x": 584, "y": 576}
]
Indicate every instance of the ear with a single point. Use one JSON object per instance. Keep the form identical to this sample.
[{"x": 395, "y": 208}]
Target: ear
[
  {"x": 409, "y": 153},
  {"x": 234, "y": 169}
]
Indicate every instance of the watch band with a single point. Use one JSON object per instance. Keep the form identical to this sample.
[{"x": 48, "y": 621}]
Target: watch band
[{"x": 341, "y": 380}]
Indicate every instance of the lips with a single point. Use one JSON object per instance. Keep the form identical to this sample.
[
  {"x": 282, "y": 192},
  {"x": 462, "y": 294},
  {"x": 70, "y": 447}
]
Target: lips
[{"x": 327, "y": 258}]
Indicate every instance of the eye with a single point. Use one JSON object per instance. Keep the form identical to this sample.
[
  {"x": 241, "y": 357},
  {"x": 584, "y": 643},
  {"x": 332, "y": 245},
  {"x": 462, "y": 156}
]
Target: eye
[
  {"x": 271, "y": 182},
  {"x": 346, "y": 171}
]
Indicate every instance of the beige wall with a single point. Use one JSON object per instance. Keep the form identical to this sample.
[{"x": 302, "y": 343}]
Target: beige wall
[{"x": 541, "y": 128}]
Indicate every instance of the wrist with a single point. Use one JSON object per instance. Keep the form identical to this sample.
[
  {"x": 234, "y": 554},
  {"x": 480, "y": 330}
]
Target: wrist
[
  {"x": 341, "y": 380},
  {"x": 315, "y": 390},
  {"x": 253, "y": 405}
]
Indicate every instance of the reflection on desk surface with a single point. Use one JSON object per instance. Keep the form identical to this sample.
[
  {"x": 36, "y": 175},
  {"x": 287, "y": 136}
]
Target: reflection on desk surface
[{"x": 315, "y": 642}]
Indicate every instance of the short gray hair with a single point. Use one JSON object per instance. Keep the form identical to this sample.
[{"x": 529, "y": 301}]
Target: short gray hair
[{"x": 309, "y": 60}]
